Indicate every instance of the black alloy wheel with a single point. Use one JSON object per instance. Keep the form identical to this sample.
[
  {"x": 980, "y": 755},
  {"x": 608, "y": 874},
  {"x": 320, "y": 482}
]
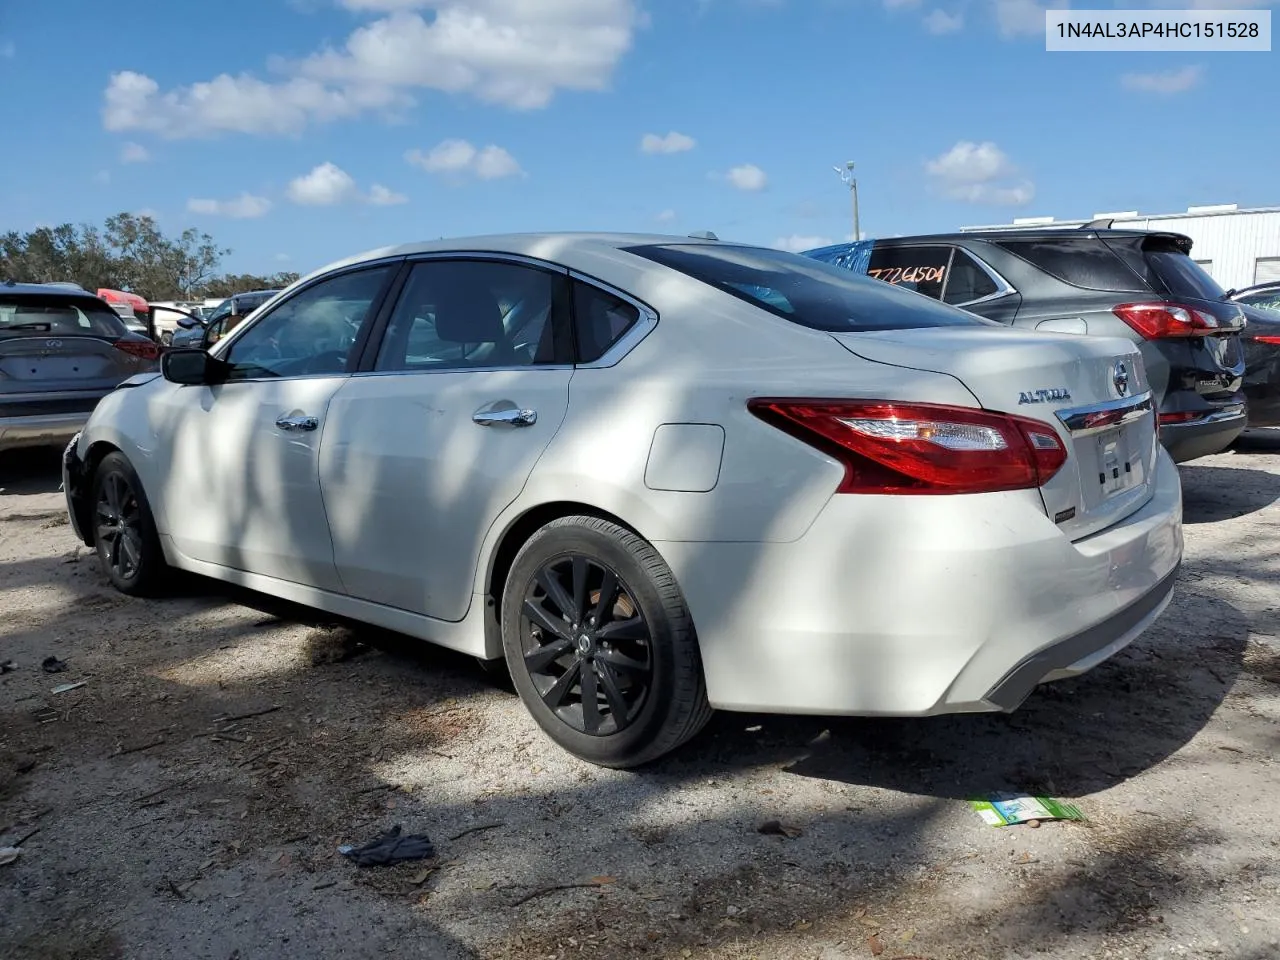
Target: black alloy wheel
[
  {"x": 124, "y": 531},
  {"x": 118, "y": 525},
  {"x": 586, "y": 645},
  {"x": 600, "y": 644}
]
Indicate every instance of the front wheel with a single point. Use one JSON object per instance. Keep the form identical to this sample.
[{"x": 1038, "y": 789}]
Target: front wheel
[
  {"x": 600, "y": 644},
  {"x": 124, "y": 531}
]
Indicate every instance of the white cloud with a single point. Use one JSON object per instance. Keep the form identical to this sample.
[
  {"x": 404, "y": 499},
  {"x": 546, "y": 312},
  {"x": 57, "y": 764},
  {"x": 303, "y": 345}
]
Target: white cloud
[
  {"x": 980, "y": 173},
  {"x": 381, "y": 196},
  {"x": 798, "y": 243},
  {"x": 383, "y": 6},
  {"x": 516, "y": 53},
  {"x": 324, "y": 186},
  {"x": 748, "y": 177},
  {"x": 1167, "y": 81},
  {"x": 244, "y": 207},
  {"x": 134, "y": 153},
  {"x": 1017, "y": 18},
  {"x": 283, "y": 258},
  {"x": 899, "y": 4},
  {"x": 228, "y": 104},
  {"x": 461, "y": 157},
  {"x": 666, "y": 216},
  {"x": 673, "y": 142},
  {"x": 939, "y": 22},
  {"x": 102, "y": 177},
  {"x": 7, "y": 50}
]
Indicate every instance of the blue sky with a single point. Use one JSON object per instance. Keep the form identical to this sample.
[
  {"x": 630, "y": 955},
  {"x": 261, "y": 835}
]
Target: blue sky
[{"x": 300, "y": 131}]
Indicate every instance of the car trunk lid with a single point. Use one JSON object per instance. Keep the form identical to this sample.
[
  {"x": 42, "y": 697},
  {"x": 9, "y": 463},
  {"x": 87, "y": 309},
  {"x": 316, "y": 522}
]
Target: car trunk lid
[
  {"x": 1093, "y": 391},
  {"x": 43, "y": 363}
]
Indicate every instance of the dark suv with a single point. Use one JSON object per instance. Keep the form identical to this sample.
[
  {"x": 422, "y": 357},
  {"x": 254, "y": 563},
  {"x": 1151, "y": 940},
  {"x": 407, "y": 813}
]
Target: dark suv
[{"x": 1093, "y": 280}]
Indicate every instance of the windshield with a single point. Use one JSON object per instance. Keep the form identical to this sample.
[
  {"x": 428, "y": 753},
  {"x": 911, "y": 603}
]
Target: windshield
[
  {"x": 23, "y": 316},
  {"x": 806, "y": 291}
]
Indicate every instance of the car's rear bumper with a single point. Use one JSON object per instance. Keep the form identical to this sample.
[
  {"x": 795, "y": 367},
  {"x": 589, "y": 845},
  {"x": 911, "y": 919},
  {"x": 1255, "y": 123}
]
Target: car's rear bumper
[
  {"x": 1204, "y": 437},
  {"x": 912, "y": 606},
  {"x": 40, "y": 431}
]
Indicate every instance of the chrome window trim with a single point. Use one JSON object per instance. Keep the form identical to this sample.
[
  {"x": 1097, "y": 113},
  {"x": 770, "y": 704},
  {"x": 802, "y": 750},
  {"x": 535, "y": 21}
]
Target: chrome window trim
[
  {"x": 488, "y": 255},
  {"x": 444, "y": 370},
  {"x": 629, "y": 340},
  {"x": 1129, "y": 408}
]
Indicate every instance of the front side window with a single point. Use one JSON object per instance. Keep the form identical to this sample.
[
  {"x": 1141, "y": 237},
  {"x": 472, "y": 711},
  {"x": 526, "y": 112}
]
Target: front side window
[
  {"x": 460, "y": 314},
  {"x": 311, "y": 333}
]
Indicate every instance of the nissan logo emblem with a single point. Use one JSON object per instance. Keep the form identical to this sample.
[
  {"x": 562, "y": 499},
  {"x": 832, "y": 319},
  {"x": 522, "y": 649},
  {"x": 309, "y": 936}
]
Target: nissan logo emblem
[{"x": 1120, "y": 377}]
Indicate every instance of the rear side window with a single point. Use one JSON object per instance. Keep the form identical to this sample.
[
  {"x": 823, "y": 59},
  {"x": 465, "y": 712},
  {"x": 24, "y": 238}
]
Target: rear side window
[
  {"x": 967, "y": 281},
  {"x": 599, "y": 320},
  {"x": 922, "y": 269},
  {"x": 803, "y": 290},
  {"x": 27, "y": 316},
  {"x": 1082, "y": 262}
]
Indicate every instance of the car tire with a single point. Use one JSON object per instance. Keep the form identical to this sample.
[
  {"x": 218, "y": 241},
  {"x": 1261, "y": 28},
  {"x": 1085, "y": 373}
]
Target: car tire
[
  {"x": 636, "y": 658},
  {"x": 124, "y": 530}
]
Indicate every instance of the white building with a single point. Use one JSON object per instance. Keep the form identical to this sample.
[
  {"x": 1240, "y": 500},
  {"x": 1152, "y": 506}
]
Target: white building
[{"x": 1238, "y": 247}]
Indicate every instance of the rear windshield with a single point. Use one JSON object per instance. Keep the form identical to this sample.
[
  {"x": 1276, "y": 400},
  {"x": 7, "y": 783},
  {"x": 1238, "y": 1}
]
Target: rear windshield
[
  {"x": 25, "y": 316},
  {"x": 806, "y": 291},
  {"x": 1183, "y": 276}
]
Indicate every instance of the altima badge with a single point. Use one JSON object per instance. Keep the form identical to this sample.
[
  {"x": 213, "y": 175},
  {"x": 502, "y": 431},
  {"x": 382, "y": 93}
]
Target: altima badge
[
  {"x": 1120, "y": 378},
  {"x": 1052, "y": 395}
]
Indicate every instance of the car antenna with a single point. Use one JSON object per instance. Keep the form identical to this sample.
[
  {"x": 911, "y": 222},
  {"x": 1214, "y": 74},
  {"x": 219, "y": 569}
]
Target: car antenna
[
  {"x": 703, "y": 235},
  {"x": 1103, "y": 224}
]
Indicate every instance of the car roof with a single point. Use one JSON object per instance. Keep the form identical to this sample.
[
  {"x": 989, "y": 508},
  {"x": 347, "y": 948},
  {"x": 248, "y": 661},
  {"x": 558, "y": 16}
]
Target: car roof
[
  {"x": 1269, "y": 285},
  {"x": 1041, "y": 233},
  {"x": 554, "y": 247},
  {"x": 50, "y": 291}
]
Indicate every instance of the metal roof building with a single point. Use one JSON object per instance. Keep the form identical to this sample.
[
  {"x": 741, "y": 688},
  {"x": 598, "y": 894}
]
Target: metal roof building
[{"x": 1238, "y": 247}]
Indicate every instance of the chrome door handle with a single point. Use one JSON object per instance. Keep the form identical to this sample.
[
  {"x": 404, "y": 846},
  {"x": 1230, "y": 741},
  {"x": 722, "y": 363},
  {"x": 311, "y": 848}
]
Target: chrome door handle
[
  {"x": 297, "y": 423},
  {"x": 509, "y": 417}
]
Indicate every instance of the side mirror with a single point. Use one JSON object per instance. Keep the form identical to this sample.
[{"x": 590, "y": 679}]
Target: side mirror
[
  {"x": 191, "y": 367},
  {"x": 189, "y": 323}
]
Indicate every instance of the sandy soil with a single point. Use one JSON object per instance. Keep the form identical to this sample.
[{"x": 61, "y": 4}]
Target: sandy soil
[{"x": 169, "y": 828}]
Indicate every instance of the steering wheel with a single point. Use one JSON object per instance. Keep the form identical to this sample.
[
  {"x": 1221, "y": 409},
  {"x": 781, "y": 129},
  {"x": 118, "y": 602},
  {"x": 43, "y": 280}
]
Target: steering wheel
[{"x": 330, "y": 361}]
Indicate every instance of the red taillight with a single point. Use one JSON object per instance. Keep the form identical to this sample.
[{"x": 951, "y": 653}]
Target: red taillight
[
  {"x": 920, "y": 448},
  {"x": 1158, "y": 321},
  {"x": 1273, "y": 341},
  {"x": 142, "y": 349},
  {"x": 1182, "y": 416}
]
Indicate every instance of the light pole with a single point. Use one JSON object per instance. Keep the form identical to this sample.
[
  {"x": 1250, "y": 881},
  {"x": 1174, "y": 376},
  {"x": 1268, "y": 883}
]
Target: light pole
[{"x": 847, "y": 178}]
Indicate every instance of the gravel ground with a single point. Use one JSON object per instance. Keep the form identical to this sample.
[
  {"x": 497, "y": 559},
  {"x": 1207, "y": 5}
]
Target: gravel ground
[{"x": 167, "y": 827}]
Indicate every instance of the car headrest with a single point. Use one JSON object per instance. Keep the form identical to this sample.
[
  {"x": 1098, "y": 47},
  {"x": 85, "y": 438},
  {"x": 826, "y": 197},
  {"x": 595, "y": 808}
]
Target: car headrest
[{"x": 468, "y": 313}]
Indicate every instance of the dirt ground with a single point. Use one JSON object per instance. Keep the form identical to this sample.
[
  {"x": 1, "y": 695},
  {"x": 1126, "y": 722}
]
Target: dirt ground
[{"x": 191, "y": 795}]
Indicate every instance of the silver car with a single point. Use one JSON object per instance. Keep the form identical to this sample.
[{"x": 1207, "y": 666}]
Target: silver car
[{"x": 61, "y": 351}]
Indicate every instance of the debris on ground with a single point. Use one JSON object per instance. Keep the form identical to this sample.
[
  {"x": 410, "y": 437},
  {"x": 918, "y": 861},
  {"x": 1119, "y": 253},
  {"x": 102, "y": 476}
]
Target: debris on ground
[
  {"x": 390, "y": 848},
  {"x": 9, "y": 854},
  {"x": 1003, "y": 810},
  {"x": 779, "y": 829},
  {"x": 53, "y": 665},
  {"x": 8, "y": 666},
  {"x": 68, "y": 687}
]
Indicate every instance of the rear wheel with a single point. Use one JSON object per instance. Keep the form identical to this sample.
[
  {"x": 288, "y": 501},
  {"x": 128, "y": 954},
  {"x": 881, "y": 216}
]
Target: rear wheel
[
  {"x": 124, "y": 531},
  {"x": 600, "y": 644}
]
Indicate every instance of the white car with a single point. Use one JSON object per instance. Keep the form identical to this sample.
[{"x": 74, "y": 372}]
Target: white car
[{"x": 657, "y": 475}]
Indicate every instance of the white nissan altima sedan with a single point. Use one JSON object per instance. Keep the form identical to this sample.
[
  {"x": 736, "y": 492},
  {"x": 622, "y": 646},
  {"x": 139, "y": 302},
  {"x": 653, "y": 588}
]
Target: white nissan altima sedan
[{"x": 659, "y": 476}]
